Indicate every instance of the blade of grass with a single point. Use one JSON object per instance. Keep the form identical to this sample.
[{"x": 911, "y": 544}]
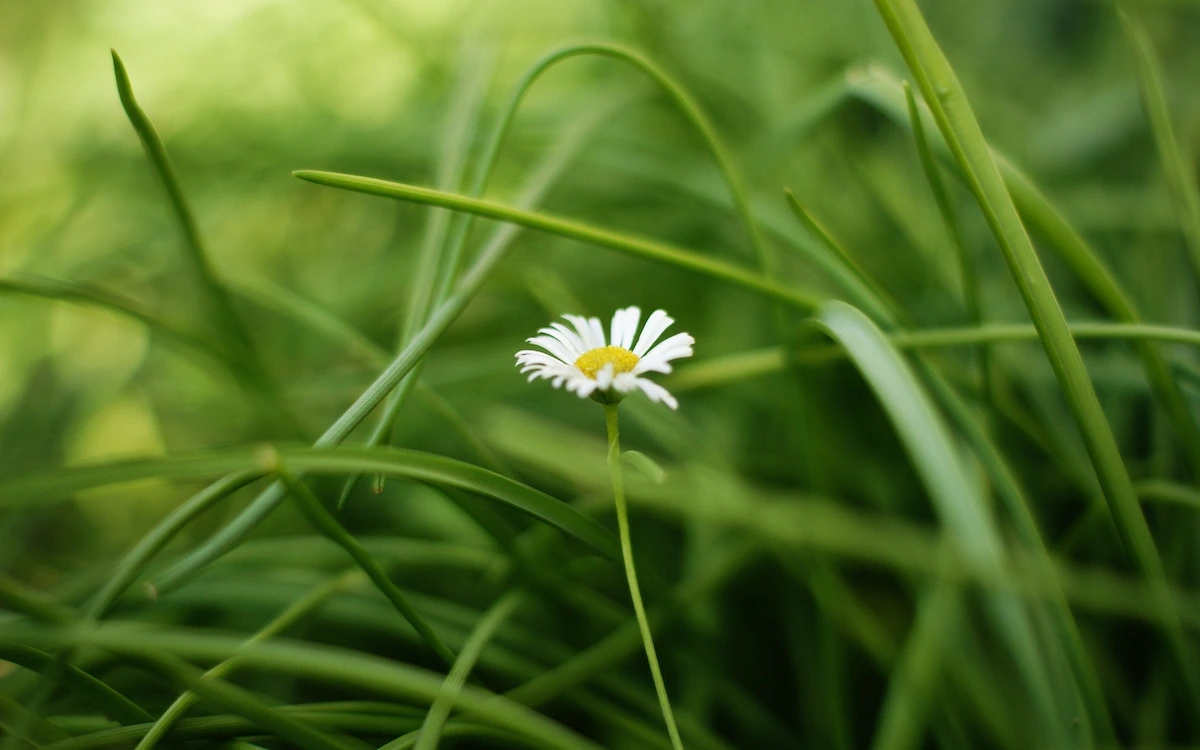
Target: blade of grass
[
  {"x": 874, "y": 297},
  {"x": 966, "y": 267},
  {"x": 335, "y": 665},
  {"x": 959, "y": 128},
  {"x": 414, "y": 465},
  {"x": 637, "y": 246},
  {"x": 439, "y": 321},
  {"x": 431, "y": 730},
  {"x": 459, "y": 130},
  {"x": 93, "y": 296},
  {"x": 883, "y": 91},
  {"x": 1177, "y": 169},
  {"x": 100, "y": 693},
  {"x": 324, "y": 522},
  {"x": 963, "y": 513},
  {"x": 219, "y": 304},
  {"x": 913, "y": 680},
  {"x": 300, "y": 609},
  {"x": 732, "y": 368}
]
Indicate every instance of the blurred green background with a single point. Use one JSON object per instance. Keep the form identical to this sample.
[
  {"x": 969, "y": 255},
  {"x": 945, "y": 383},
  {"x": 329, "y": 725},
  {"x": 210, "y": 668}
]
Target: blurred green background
[{"x": 790, "y": 481}]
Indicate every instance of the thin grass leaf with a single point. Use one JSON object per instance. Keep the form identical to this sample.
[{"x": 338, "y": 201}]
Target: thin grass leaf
[
  {"x": 636, "y": 246},
  {"x": 285, "y": 620},
  {"x": 324, "y": 522},
  {"x": 883, "y": 91},
  {"x": 335, "y": 665},
  {"x": 99, "y": 693},
  {"x": 931, "y": 449},
  {"x": 1181, "y": 179},
  {"x": 959, "y": 128},
  {"x": 435, "y": 721},
  {"x": 247, "y": 464},
  {"x": 241, "y": 343}
]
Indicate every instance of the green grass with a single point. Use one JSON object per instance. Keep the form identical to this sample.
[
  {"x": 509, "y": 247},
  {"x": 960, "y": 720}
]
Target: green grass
[{"x": 269, "y": 478}]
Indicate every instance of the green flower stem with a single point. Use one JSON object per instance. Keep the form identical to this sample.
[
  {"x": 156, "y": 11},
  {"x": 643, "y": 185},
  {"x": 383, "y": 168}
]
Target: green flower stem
[{"x": 618, "y": 483}]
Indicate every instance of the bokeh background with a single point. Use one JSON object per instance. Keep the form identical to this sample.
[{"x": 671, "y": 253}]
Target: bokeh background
[{"x": 797, "y": 470}]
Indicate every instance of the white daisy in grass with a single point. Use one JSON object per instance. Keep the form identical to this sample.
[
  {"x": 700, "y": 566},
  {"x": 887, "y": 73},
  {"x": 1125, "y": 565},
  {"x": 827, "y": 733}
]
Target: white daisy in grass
[{"x": 606, "y": 370}]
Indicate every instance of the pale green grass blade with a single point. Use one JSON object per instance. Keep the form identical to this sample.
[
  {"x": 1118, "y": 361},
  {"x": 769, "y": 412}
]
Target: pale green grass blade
[
  {"x": 636, "y": 246},
  {"x": 433, "y": 260},
  {"x": 435, "y": 721},
  {"x": 415, "y": 465},
  {"x": 963, "y": 512},
  {"x": 732, "y": 368},
  {"x": 220, "y": 306}
]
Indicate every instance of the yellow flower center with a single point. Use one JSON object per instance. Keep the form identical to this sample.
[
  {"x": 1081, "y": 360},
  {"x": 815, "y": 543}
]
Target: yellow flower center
[{"x": 621, "y": 359}]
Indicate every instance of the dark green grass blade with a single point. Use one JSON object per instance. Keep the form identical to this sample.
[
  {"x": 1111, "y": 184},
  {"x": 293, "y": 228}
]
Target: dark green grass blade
[
  {"x": 331, "y": 665},
  {"x": 99, "y": 693},
  {"x": 415, "y": 465},
  {"x": 953, "y": 114},
  {"x": 963, "y": 512},
  {"x": 658, "y": 252},
  {"x": 220, "y": 306},
  {"x": 324, "y": 522},
  {"x": 883, "y": 91},
  {"x": 1181, "y": 178}
]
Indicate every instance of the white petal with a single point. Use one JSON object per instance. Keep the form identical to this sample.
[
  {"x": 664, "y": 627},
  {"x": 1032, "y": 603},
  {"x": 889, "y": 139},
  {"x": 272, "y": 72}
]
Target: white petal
[
  {"x": 658, "y": 322},
  {"x": 624, "y": 382},
  {"x": 604, "y": 377},
  {"x": 655, "y": 360},
  {"x": 624, "y": 327},
  {"x": 569, "y": 339},
  {"x": 553, "y": 346},
  {"x": 586, "y": 335},
  {"x": 657, "y": 393},
  {"x": 597, "y": 331}
]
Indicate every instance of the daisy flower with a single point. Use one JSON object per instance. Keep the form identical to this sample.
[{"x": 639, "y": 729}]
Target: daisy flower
[{"x": 605, "y": 370}]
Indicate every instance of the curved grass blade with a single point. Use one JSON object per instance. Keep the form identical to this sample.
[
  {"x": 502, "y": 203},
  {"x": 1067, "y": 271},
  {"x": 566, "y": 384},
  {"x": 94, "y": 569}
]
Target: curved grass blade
[
  {"x": 961, "y": 131},
  {"x": 883, "y": 91},
  {"x": 297, "y": 732},
  {"x": 324, "y": 522},
  {"x": 218, "y": 299},
  {"x": 1180, "y": 178},
  {"x": 435, "y": 721},
  {"x": 963, "y": 512},
  {"x": 94, "y": 296},
  {"x": 637, "y": 246},
  {"x": 414, "y": 465},
  {"x": 334, "y": 665},
  {"x": 678, "y": 95},
  {"x": 735, "y": 367},
  {"x": 286, "y": 619},
  {"x": 100, "y": 693},
  {"x": 445, "y": 314}
]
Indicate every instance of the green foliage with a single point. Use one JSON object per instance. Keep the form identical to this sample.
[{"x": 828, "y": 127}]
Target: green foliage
[{"x": 268, "y": 476}]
